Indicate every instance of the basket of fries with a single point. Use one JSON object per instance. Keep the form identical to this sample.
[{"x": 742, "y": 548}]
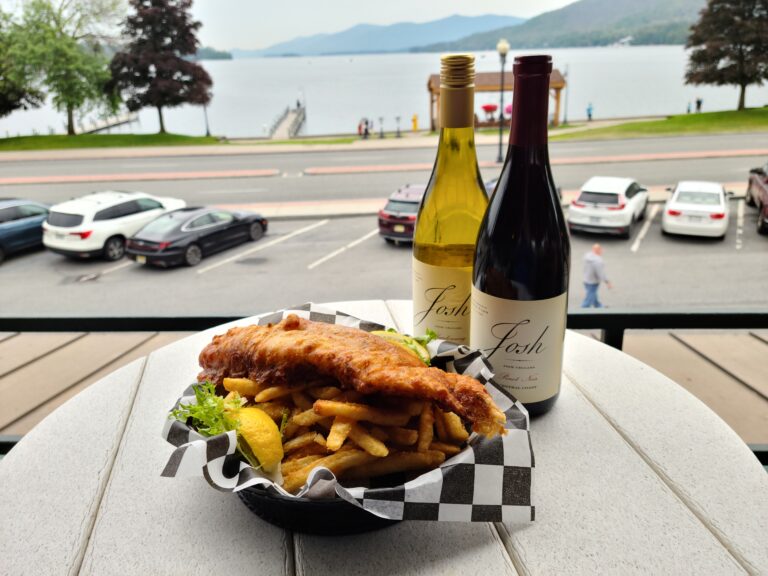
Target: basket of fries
[{"x": 325, "y": 423}]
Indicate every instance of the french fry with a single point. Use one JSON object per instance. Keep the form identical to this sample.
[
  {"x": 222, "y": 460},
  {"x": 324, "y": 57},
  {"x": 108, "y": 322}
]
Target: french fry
[
  {"x": 447, "y": 449},
  {"x": 402, "y": 436},
  {"x": 362, "y": 438},
  {"x": 397, "y": 462},
  {"x": 339, "y": 432},
  {"x": 278, "y": 392},
  {"x": 304, "y": 440},
  {"x": 440, "y": 429},
  {"x": 361, "y": 412},
  {"x": 301, "y": 400},
  {"x": 414, "y": 407},
  {"x": 324, "y": 392},
  {"x": 337, "y": 463},
  {"x": 292, "y": 465},
  {"x": 308, "y": 450},
  {"x": 455, "y": 427},
  {"x": 379, "y": 433},
  {"x": 275, "y": 410},
  {"x": 426, "y": 428},
  {"x": 308, "y": 418},
  {"x": 244, "y": 386}
]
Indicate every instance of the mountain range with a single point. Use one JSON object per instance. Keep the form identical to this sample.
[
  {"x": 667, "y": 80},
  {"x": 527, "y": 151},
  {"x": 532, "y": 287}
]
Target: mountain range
[
  {"x": 590, "y": 23},
  {"x": 371, "y": 38},
  {"x": 582, "y": 23}
]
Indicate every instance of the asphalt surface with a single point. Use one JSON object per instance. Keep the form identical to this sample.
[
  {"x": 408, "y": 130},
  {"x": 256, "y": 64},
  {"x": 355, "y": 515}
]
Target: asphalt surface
[
  {"x": 345, "y": 259},
  {"x": 292, "y": 185}
]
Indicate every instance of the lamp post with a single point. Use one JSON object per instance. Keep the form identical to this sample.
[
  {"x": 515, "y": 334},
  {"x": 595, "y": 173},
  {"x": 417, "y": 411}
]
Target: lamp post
[
  {"x": 565, "y": 111},
  {"x": 381, "y": 126},
  {"x": 502, "y": 48},
  {"x": 207, "y": 128}
]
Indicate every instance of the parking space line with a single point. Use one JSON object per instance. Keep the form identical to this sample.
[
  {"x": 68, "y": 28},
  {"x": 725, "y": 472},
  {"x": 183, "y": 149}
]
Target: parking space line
[
  {"x": 116, "y": 268},
  {"x": 739, "y": 223},
  {"x": 263, "y": 246},
  {"x": 644, "y": 230},
  {"x": 342, "y": 249}
]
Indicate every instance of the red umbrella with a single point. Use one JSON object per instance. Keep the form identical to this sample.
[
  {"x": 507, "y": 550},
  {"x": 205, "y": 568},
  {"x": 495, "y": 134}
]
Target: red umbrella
[{"x": 488, "y": 108}]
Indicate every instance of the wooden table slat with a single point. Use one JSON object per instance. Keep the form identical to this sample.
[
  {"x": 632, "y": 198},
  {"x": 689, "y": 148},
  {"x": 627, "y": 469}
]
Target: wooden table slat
[
  {"x": 52, "y": 481},
  {"x": 29, "y": 421},
  {"x": 69, "y": 364},
  {"x": 697, "y": 462},
  {"x": 26, "y": 348},
  {"x": 741, "y": 355},
  {"x": 744, "y": 410}
]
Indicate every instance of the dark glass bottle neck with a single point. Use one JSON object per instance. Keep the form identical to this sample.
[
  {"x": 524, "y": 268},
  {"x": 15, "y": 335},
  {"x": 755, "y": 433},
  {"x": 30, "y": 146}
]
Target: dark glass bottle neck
[{"x": 530, "y": 106}]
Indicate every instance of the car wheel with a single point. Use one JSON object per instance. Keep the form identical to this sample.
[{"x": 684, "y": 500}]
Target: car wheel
[
  {"x": 114, "y": 248},
  {"x": 628, "y": 233},
  {"x": 256, "y": 231},
  {"x": 193, "y": 255},
  {"x": 762, "y": 228},
  {"x": 748, "y": 199},
  {"x": 2, "y": 255},
  {"x": 644, "y": 212}
]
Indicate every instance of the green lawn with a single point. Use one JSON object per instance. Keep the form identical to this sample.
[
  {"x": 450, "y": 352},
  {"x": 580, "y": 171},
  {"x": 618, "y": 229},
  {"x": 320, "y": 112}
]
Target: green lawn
[
  {"x": 101, "y": 141},
  {"x": 751, "y": 120},
  {"x": 311, "y": 141}
]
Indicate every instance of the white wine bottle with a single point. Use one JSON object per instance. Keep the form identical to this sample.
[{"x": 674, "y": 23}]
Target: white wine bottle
[
  {"x": 520, "y": 285},
  {"x": 450, "y": 212}
]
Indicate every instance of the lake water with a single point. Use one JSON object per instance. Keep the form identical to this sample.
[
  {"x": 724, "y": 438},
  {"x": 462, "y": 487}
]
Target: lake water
[{"x": 340, "y": 90}]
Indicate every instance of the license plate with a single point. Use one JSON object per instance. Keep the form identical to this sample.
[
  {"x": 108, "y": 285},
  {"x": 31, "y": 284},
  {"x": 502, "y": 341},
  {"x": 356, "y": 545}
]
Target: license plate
[
  {"x": 141, "y": 259},
  {"x": 60, "y": 236},
  {"x": 695, "y": 218},
  {"x": 594, "y": 219},
  {"x": 399, "y": 228}
]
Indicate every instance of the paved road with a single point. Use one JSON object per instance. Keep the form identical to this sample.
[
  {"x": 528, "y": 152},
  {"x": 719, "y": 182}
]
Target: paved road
[
  {"x": 343, "y": 259},
  {"x": 292, "y": 185}
]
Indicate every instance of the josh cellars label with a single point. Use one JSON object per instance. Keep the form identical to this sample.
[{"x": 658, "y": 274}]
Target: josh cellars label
[
  {"x": 523, "y": 339},
  {"x": 441, "y": 301}
]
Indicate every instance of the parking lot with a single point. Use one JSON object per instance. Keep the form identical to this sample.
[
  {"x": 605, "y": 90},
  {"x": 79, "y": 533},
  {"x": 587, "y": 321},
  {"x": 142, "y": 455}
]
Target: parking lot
[{"x": 344, "y": 259}]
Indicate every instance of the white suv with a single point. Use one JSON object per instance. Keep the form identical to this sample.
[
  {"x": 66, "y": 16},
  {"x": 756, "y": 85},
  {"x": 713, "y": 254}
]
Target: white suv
[
  {"x": 99, "y": 223},
  {"x": 607, "y": 204}
]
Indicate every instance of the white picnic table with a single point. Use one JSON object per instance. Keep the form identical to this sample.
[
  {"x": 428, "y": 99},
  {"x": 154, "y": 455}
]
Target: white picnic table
[{"x": 633, "y": 475}]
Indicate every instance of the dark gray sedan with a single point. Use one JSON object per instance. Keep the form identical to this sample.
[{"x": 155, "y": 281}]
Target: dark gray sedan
[{"x": 188, "y": 235}]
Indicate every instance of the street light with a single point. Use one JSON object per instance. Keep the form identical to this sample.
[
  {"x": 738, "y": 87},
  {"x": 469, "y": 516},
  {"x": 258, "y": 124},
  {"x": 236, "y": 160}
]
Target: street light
[
  {"x": 381, "y": 126},
  {"x": 502, "y": 48},
  {"x": 205, "y": 114}
]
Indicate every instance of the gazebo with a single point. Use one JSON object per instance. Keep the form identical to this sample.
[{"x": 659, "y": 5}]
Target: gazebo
[{"x": 491, "y": 82}]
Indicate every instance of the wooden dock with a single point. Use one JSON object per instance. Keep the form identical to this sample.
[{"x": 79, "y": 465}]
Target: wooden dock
[{"x": 726, "y": 371}]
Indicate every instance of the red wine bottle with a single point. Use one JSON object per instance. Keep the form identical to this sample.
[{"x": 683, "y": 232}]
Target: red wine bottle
[{"x": 522, "y": 257}]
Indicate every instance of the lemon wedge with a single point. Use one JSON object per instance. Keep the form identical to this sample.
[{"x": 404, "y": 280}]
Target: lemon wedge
[
  {"x": 406, "y": 342},
  {"x": 262, "y": 435}
]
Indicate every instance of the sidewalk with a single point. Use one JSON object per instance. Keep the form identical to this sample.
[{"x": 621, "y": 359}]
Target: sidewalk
[{"x": 409, "y": 140}]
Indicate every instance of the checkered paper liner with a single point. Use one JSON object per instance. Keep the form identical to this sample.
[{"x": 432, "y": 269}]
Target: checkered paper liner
[{"x": 489, "y": 481}]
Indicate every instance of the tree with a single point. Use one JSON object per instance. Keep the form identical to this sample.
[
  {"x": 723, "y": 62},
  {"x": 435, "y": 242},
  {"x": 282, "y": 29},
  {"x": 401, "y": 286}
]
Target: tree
[
  {"x": 730, "y": 45},
  {"x": 62, "y": 43},
  {"x": 16, "y": 91},
  {"x": 152, "y": 70}
]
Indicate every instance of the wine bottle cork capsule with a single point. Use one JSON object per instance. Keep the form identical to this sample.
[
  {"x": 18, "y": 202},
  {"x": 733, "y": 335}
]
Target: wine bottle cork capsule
[{"x": 457, "y": 90}]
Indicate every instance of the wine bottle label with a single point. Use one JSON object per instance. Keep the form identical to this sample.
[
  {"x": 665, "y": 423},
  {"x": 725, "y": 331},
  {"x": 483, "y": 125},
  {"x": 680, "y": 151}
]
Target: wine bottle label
[
  {"x": 523, "y": 339},
  {"x": 441, "y": 300}
]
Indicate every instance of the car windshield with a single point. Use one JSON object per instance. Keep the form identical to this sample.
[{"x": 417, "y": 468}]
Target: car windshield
[
  {"x": 399, "y": 206},
  {"x": 64, "y": 220},
  {"x": 599, "y": 198},
  {"x": 163, "y": 224},
  {"x": 702, "y": 198}
]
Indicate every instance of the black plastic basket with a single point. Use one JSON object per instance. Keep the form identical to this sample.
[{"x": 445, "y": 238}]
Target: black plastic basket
[{"x": 323, "y": 517}]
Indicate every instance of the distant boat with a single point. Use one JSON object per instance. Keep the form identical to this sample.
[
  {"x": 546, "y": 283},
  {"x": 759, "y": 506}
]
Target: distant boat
[{"x": 626, "y": 41}]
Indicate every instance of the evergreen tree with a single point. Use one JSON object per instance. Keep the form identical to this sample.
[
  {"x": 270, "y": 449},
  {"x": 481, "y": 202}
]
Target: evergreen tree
[
  {"x": 16, "y": 90},
  {"x": 153, "y": 70},
  {"x": 730, "y": 45}
]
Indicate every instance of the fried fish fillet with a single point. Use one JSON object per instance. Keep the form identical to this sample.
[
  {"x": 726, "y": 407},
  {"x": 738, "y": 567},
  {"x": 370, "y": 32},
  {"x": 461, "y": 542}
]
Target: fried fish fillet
[{"x": 297, "y": 349}]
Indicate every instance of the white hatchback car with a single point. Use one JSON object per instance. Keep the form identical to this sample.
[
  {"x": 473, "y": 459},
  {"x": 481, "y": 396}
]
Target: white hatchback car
[
  {"x": 607, "y": 204},
  {"x": 99, "y": 223},
  {"x": 697, "y": 209}
]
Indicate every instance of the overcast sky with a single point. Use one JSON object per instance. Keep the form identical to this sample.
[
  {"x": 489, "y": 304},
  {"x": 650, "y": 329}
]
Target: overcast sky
[{"x": 253, "y": 24}]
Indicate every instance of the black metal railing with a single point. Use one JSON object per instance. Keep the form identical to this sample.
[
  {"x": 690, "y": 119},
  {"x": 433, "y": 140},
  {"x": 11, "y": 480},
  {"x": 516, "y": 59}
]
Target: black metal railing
[{"x": 611, "y": 323}]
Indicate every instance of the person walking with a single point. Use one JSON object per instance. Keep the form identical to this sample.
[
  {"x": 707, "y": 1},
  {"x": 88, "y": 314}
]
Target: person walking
[
  {"x": 699, "y": 104},
  {"x": 589, "y": 112},
  {"x": 594, "y": 274}
]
